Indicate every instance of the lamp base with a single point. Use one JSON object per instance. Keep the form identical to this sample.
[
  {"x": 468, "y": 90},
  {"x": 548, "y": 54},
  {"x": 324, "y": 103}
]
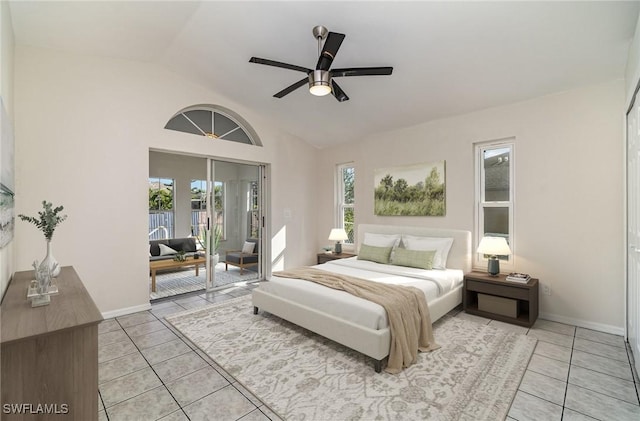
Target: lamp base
[
  {"x": 493, "y": 267},
  {"x": 338, "y": 248}
]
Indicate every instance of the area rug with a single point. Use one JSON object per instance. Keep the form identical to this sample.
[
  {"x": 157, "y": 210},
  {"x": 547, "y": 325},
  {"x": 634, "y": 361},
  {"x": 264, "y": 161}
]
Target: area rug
[
  {"x": 303, "y": 376},
  {"x": 185, "y": 280}
]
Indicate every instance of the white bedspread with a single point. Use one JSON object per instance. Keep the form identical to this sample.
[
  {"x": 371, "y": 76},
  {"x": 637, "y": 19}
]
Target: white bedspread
[{"x": 433, "y": 283}]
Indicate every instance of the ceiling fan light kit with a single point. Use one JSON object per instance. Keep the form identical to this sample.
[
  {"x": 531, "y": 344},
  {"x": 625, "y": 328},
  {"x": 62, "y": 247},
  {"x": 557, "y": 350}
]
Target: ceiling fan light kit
[
  {"x": 320, "y": 80},
  {"x": 319, "y": 83}
]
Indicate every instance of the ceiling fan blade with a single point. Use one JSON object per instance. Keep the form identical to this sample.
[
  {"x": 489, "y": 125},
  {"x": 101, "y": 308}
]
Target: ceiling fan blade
[
  {"x": 338, "y": 92},
  {"x": 279, "y": 64},
  {"x": 329, "y": 50},
  {"x": 362, "y": 71},
  {"x": 292, "y": 88}
]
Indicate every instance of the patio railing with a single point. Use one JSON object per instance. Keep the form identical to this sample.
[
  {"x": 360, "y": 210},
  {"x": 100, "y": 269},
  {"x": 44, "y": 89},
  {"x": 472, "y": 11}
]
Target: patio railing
[{"x": 161, "y": 224}]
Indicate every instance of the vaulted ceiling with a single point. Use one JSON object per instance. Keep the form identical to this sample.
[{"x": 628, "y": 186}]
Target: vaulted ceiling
[{"x": 449, "y": 58}]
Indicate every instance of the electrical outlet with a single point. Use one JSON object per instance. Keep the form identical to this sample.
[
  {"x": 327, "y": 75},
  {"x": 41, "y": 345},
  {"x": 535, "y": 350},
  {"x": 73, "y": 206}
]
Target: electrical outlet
[{"x": 546, "y": 289}]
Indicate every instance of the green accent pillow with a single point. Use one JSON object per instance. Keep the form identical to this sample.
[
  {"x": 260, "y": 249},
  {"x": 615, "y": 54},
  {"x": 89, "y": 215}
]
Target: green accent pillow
[
  {"x": 422, "y": 259},
  {"x": 375, "y": 254}
]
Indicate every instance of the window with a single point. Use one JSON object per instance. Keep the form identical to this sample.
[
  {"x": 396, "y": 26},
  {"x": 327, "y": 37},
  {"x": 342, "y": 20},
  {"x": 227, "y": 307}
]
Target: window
[
  {"x": 160, "y": 208},
  {"x": 218, "y": 206},
  {"x": 214, "y": 122},
  {"x": 199, "y": 206},
  {"x": 253, "y": 207},
  {"x": 346, "y": 200},
  {"x": 494, "y": 197}
]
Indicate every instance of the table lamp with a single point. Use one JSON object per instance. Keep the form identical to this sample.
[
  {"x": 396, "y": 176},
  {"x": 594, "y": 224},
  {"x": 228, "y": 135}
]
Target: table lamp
[
  {"x": 337, "y": 235},
  {"x": 494, "y": 247}
]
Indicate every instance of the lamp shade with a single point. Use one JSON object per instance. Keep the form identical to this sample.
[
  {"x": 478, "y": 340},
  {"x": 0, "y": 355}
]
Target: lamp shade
[
  {"x": 494, "y": 246},
  {"x": 338, "y": 234}
]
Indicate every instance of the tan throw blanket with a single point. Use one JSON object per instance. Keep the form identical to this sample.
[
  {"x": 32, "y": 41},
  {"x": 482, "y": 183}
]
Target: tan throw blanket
[{"x": 410, "y": 329}]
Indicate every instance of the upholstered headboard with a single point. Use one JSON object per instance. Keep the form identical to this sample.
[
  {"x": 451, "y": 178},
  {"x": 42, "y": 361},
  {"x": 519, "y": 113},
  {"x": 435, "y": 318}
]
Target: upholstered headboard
[{"x": 460, "y": 255}]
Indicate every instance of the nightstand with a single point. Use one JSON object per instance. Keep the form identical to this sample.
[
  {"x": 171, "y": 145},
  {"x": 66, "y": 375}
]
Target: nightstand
[
  {"x": 499, "y": 299},
  {"x": 325, "y": 257}
]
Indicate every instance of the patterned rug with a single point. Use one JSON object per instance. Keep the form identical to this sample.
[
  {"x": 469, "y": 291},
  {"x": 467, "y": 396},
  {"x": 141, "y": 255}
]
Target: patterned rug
[
  {"x": 185, "y": 280},
  {"x": 303, "y": 376}
]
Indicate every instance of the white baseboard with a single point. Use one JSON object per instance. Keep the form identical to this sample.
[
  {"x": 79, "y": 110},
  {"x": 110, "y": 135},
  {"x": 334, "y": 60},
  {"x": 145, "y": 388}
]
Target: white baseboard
[
  {"x": 124, "y": 311},
  {"x": 600, "y": 327}
]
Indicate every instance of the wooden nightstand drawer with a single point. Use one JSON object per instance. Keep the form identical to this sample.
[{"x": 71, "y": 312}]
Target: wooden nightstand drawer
[{"x": 501, "y": 290}]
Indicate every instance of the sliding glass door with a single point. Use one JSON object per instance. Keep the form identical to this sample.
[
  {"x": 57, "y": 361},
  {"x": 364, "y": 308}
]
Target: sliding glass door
[
  {"x": 213, "y": 205},
  {"x": 235, "y": 222},
  {"x": 211, "y": 229}
]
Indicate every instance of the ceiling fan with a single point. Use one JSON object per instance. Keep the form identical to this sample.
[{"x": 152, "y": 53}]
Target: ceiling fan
[{"x": 321, "y": 79}]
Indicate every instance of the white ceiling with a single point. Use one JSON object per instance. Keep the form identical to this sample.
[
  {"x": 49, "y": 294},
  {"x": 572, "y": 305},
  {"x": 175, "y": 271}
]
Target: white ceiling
[{"x": 449, "y": 58}]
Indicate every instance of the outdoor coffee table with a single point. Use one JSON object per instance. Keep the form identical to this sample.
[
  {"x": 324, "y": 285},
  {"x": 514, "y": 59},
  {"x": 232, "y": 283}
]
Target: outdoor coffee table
[{"x": 172, "y": 264}]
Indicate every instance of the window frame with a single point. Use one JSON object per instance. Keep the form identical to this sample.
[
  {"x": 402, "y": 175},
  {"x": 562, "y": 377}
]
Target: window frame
[
  {"x": 253, "y": 207},
  {"x": 241, "y": 123},
  {"x": 480, "y": 203},
  {"x": 341, "y": 206},
  {"x": 171, "y": 228},
  {"x": 219, "y": 215}
]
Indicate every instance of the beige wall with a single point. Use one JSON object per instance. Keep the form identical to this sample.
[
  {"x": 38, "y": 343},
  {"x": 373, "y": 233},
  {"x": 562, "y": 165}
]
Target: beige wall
[
  {"x": 569, "y": 191},
  {"x": 84, "y": 128},
  {"x": 632, "y": 72},
  {"x": 6, "y": 92}
]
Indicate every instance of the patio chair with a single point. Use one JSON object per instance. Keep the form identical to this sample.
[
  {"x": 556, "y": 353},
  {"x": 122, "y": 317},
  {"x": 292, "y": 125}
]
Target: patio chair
[{"x": 246, "y": 257}]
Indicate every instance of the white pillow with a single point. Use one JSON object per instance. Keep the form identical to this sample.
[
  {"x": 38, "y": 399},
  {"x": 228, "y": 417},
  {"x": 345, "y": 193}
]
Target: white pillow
[
  {"x": 440, "y": 245},
  {"x": 381, "y": 240},
  {"x": 166, "y": 250},
  {"x": 248, "y": 247}
]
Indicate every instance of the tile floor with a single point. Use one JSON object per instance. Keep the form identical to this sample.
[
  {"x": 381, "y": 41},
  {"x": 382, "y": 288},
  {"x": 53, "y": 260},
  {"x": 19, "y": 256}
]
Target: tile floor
[
  {"x": 149, "y": 371},
  {"x": 574, "y": 374}
]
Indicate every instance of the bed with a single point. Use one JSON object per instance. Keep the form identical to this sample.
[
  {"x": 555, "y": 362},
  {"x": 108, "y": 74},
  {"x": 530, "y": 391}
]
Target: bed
[{"x": 360, "y": 324}]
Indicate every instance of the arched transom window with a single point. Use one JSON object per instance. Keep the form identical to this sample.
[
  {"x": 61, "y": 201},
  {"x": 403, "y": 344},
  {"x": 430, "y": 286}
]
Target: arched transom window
[{"x": 215, "y": 122}]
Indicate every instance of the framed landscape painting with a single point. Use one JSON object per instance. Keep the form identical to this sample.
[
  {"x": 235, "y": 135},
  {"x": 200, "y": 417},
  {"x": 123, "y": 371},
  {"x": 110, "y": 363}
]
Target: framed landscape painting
[
  {"x": 6, "y": 178},
  {"x": 412, "y": 190}
]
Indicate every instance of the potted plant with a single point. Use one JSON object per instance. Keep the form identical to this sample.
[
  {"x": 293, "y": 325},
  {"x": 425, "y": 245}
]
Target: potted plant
[
  {"x": 203, "y": 240},
  {"x": 214, "y": 258},
  {"x": 180, "y": 256},
  {"x": 47, "y": 221}
]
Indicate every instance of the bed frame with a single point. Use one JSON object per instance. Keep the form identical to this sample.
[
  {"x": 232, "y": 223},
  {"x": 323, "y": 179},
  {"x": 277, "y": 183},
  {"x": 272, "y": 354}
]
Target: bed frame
[{"x": 374, "y": 343}]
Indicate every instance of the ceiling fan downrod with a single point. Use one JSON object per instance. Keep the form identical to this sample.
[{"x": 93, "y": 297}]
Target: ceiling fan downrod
[
  {"x": 319, "y": 80},
  {"x": 319, "y": 33}
]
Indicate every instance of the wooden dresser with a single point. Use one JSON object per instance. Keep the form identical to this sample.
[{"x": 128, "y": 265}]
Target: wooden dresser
[{"x": 50, "y": 353}]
